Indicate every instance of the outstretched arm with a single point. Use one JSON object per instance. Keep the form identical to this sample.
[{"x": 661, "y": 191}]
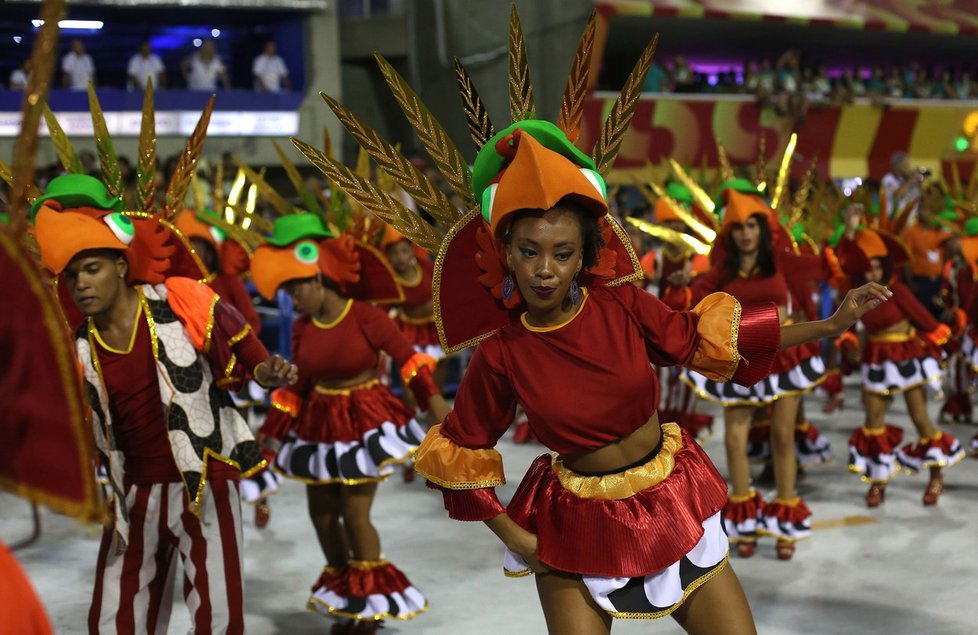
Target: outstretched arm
[{"x": 857, "y": 303}]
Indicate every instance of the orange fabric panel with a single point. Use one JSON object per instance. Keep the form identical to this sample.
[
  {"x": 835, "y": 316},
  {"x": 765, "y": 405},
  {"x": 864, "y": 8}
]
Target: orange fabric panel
[
  {"x": 21, "y": 612},
  {"x": 287, "y": 401},
  {"x": 193, "y": 303},
  {"x": 926, "y": 250},
  {"x": 716, "y": 355},
  {"x": 453, "y": 467},
  {"x": 416, "y": 363}
]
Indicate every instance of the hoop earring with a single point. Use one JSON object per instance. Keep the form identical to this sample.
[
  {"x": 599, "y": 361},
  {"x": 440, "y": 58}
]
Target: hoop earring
[{"x": 575, "y": 292}]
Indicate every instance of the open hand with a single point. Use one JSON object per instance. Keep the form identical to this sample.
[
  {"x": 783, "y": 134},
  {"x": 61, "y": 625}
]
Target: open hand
[
  {"x": 276, "y": 371},
  {"x": 858, "y": 302}
]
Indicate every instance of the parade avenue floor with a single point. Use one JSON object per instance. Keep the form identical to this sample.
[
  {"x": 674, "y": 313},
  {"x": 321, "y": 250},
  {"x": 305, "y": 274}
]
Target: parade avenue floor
[{"x": 900, "y": 569}]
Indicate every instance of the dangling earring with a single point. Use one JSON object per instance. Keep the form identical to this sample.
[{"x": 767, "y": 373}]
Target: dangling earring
[
  {"x": 575, "y": 292},
  {"x": 508, "y": 287}
]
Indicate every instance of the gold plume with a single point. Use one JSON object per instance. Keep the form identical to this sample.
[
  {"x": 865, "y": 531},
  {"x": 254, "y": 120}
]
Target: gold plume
[
  {"x": 431, "y": 133},
  {"x": 572, "y": 104},
  {"x": 70, "y": 160},
  {"x": 378, "y": 202},
  {"x": 699, "y": 194},
  {"x": 108, "y": 164},
  {"x": 177, "y": 188},
  {"x": 687, "y": 243},
  {"x": 726, "y": 172},
  {"x": 146, "y": 161},
  {"x": 620, "y": 117},
  {"x": 476, "y": 115},
  {"x": 521, "y": 105},
  {"x": 274, "y": 199},
  {"x": 25, "y": 150},
  {"x": 784, "y": 171},
  {"x": 410, "y": 178}
]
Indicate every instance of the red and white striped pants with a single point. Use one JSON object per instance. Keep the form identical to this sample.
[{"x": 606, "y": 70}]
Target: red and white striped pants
[{"x": 134, "y": 590}]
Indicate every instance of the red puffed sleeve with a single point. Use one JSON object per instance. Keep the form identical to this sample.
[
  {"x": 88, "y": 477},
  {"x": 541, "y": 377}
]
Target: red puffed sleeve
[
  {"x": 929, "y": 328},
  {"x": 458, "y": 456},
  {"x": 718, "y": 338},
  {"x": 384, "y": 335}
]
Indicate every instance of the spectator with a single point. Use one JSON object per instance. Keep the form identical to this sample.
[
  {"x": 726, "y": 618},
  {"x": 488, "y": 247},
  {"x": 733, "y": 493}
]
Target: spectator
[
  {"x": 876, "y": 84},
  {"x": 682, "y": 75},
  {"x": 894, "y": 83},
  {"x": 944, "y": 87},
  {"x": 657, "y": 80},
  {"x": 20, "y": 76},
  {"x": 964, "y": 87},
  {"x": 924, "y": 86},
  {"x": 202, "y": 69},
  {"x": 77, "y": 67},
  {"x": 145, "y": 65},
  {"x": 271, "y": 74},
  {"x": 901, "y": 185},
  {"x": 823, "y": 86},
  {"x": 751, "y": 78}
]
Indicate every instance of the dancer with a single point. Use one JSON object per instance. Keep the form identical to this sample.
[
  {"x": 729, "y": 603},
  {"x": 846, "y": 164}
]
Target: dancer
[
  {"x": 341, "y": 429},
  {"x": 153, "y": 352},
  {"x": 626, "y": 502},
  {"x": 902, "y": 356},
  {"x": 753, "y": 264}
]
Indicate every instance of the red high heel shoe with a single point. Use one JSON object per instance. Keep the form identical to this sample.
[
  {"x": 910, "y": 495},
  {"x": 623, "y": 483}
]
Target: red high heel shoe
[
  {"x": 263, "y": 513},
  {"x": 785, "y": 549},
  {"x": 746, "y": 549},
  {"x": 935, "y": 487},
  {"x": 876, "y": 495}
]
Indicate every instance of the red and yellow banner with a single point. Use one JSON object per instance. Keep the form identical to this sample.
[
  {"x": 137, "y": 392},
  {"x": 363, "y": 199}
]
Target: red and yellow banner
[{"x": 848, "y": 141}]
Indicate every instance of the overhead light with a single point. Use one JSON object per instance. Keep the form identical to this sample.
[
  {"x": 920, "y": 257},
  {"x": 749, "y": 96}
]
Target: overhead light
[
  {"x": 215, "y": 33},
  {"x": 90, "y": 25},
  {"x": 17, "y": 39},
  {"x": 198, "y": 42}
]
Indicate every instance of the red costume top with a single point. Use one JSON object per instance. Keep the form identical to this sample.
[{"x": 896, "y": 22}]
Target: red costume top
[
  {"x": 138, "y": 423},
  {"x": 752, "y": 289},
  {"x": 345, "y": 348},
  {"x": 233, "y": 291},
  {"x": 587, "y": 383},
  {"x": 903, "y": 305}
]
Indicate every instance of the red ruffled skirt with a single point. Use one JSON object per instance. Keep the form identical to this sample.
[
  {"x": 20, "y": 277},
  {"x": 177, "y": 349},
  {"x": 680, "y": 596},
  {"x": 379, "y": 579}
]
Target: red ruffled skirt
[
  {"x": 367, "y": 591},
  {"x": 894, "y": 367},
  {"x": 349, "y": 436}
]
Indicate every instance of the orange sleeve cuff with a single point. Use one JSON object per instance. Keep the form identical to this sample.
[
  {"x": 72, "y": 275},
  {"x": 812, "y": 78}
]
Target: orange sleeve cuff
[
  {"x": 451, "y": 466},
  {"x": 939, "y": 336},
  {"x": 717, "y": 356},
  {"x": 849, "y": 339},
  {"x": 414, "y": 364},
  {"x": 286, "y": 401}
]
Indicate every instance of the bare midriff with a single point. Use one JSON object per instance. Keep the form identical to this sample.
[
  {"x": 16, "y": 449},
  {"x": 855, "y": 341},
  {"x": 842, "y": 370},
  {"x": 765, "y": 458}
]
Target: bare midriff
[
  {"x": 348, "y": 382},
  {"x": 620, "y": 454}
]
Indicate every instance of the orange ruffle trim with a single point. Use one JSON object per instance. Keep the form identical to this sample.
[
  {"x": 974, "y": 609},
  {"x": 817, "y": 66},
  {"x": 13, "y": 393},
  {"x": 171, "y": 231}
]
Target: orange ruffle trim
[
  {"x": 717, "y": 356},
  {"x": 193, "y": 303},
  {"x": 451, "y": 466},
  {"x": 414, "y": 364},
  {"x": 286, "y": 401}
]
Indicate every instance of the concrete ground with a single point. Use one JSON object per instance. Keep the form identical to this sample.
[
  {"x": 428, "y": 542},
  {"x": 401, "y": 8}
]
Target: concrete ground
[{"x": 900, "y": 569}]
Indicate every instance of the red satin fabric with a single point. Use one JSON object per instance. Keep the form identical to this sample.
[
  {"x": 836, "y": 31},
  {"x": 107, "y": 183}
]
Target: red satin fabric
[
  {"x": 626, "y": 538},
  {"x": 789, "y": 358},
  {"x": 919, "y": 449},
  {"x": 788, "y": 513},
  {"x": 384, "y": 579},
  {"x": 331, "y": 418},
  {"x": 874, "y": 445},
  {"x": 743, "y": 511},
  {"x": 879, "y": 352},
  {"x": 470, "y": 504},
  {"x": 758, "y": 341}
]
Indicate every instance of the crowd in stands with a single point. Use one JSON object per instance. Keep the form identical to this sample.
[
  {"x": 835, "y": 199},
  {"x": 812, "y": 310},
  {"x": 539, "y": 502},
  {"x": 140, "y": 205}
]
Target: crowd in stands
[
  {"x": 792, "y": 76},
  {"x": 203, "y": 70}
]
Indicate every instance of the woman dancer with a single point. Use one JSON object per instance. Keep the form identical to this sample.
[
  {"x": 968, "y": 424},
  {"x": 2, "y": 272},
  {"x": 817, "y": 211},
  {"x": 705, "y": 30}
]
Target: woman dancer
[
  {"x": 538, "y": 279},
  {"x": 753, "y": 267},
  {"x": 342, "y": 429},
  {"x": 901, "y": 355}
]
